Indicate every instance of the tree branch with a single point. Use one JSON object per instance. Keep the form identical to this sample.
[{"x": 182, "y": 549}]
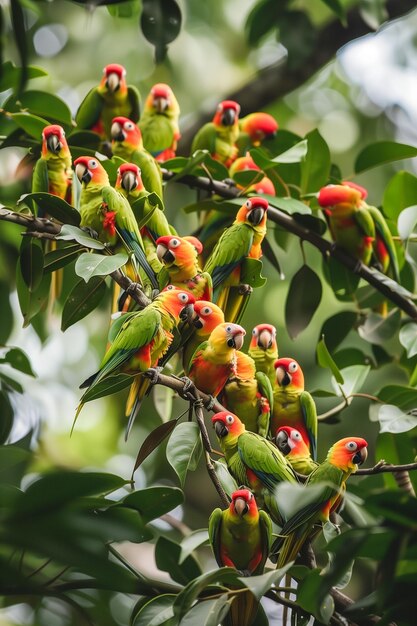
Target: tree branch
[{"x": 382, "y": 468}]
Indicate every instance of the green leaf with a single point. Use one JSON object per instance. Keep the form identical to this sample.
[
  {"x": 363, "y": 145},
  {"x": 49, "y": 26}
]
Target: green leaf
[
  {"x": 69, "y": 233},
  {"x": 10, "y": 383},
  {"x": 292, "y": 497},
  {"x": 315, "y": 169},
  {"x": 31, "y": 124},
  {"x": 167, "y": 554},
  {"x": 19, "y": 33},
  {"x": 396, "y": 449},
  {"x": 259, "y": 585},
  {"x": 83, "y": 299},
  {"x": 130, "y": 8},
  {"x": 107, "y": 387},
  {"x": 154, "y": 612},
  {"x": 338, "y": 9},
  {"x": 325, "y": 360},
  {"x": 261, "y": 20},
  {"x": 41, "y": 103},
  {"x": 407, "y": 221},
  {"x": 31, "y": 263},
  {"x": 401, "y": 396},
  {"x": 311, "y": 598},
  {"x": 10, "y": 75},
  {"x": 11, "y": 456},
  {"x": 354, "y": 376},
  {"x": 226, "y": 479},
  {"x": 401, "y": 192},
  {"x": 153, "y": 501},
  {"x": 184, "y": 449},
  {"x": 7, "y": 317},
  {"x": 251, "y": 273},
  {"x": 91, "y": 264},
  {"x": 18, "y": 360},
  {"x": 289, "y": 205},
  {"x": 161, "y": 24},
  {"x": 60, "y": 257},
  {"x": 337, "y": 327},
  {"x": 394, "y": 420},
  {"x": 294, "y": 154},
  {"x": 153, "y": 440},
  {"x": 55, "y": 207},
  {"x": 208, "y": 612},
  {"x": 31, "y": 302},
  {"x": 383, "y": 152},
  {"x": 6, "y": 412},
  {"x": 408, "y": 338},
  {"x": 303, "y": 299},
  {"x": 162, "y": 399},
  {"x": 379, "y": 329},
  {"x": 186, "y": 597},
  {"x": 343, "y": 282},
  {"x": 191, "y": 542},
  {"x": 373, "y": 12}
]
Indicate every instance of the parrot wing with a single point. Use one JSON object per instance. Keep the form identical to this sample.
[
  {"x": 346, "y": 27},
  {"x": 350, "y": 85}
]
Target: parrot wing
[
  {"x": 265, "y": 460},
  {"x": 205, "y": 139},
  {"x": 265, "y": 526},
  {"x": 384, "y": 233},
  {"x": 89, "y": 110},
  {"x": 214, "y": 525},
  {"x": 135, "y": 102},
  {"x": 265, "y": 389},
  {"x": 233, "y": 246},
  {"x": 208, "y": 291},
  {"x": 158, "y": 133},
  {"x": 151, "y": 173},
  {"x": 309, "y": 411},
  {"x": 365, "y": 222}
]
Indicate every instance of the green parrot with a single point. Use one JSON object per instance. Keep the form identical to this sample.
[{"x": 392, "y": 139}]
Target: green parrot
[
  {"x": 219, "y": 136},
  {"x": 127, "y": 144},
  {"x": 263, "y": 349},
  {"x": 254, "y": 130},
  {"x": 112, "y": 97},
  {"x": 253, "y": 460},
  {"x": 293, "y": 446},
  {"x": 159, "y": 122},
  {"x": 106, "y": 211},
  {"x": 206, "y": 317}
]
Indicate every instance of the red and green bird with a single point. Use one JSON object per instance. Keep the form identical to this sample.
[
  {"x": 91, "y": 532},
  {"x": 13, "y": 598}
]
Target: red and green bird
[
  {"x": 179, "y": 256},
  {"x": 263, "y": 184},
  {"x": 214, "y": 361},
  {"x": 106, "y": 211},
  {"x": 342, "y": 460},
  {"x": 112, "y": 97},
  {"x": 241, "y": 241},
  {"x": 254, "y": 130},
  {"x": 207, "y": 316},
  {"x": 159, "y": 122},
  {"x": 220, "y": 135},
  {"x": 292, "y": 405},
  {"x": 293, "y": 446},
  {"x": 127, "y": 144},
  {"x": 263, "y": 349},
  {"x": 249, "y": 393},
  {"x": 52, "y": 172}
]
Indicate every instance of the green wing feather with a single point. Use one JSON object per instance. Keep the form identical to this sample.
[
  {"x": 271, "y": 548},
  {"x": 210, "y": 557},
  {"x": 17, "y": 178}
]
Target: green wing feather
[
  {"x": 214, "y": 525},
  {"x": 134, "y": 98},
  {"x": 89, "y": 110},
  {"x": 151, "y": 172},
  {"x": 265, "y": 525},
  {"x": 265, "y": 460},
  {"x": 364, "y": 222},
  {"x": 205, "y": 139},
  {"x": 384, "y": 232},
  {"x": 40, "y": 178},
  {"x": 157, "y": 132},
  {"x": 233, "y": 246},
  {"x": 265, "y": 389},
  {"x": 309, "y": 411}
]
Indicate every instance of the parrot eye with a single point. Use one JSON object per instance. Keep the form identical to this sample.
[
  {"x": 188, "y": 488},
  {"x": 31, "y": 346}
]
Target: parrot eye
[
  {"x": 170, "y": 288},
  {"x": 248, "y": 204},
  {"x": 206, "y": 310},
  {"x": 129, "y": 126},
  {"x": 183, "y": 297},
  {"x": 174, "y": 243},
  {"x": 351, "y": 446},
  {"x": 229, "y": 329},
  {"x": 92, "y": 164},
  {"x": 296, "y": 435},
  {"x": 255, "y": 332},
  {"x": 63, "y": 132},
  {"x": 230, "y": 419},
  {"x": 293, "y": 367}
]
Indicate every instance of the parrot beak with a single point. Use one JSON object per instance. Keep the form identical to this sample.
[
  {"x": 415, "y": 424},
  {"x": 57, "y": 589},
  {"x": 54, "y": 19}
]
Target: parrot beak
[
  {"x": 283, "y": 442},
  {"x": 117, "y": 132},
  {"x": 196, "y": 321},
  {"x": 187, "y": 313},
  {"x": 361, "y": 456},
  {"x": 236, "y": 340},
  {"x": 228, "y": 117},
  {"x": 265, "y": 340},
  {"x": 113, "y": 82},
  {"x": 53, "y": 143},
  {"x": 241, "y": 506},
  {"x": 255, "y": 216},
  {"x": 221, "y": 430},
  {"x": 82, "y": 173},
  {"x": 164, "y": 255},
  {"x": 160, "y": 104},
  {"x": 283, "y": 378},
  {"x": 129, "y": 182}
]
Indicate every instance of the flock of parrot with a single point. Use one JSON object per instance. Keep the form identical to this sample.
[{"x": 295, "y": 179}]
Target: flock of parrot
[{"x": 268, "y": 430}]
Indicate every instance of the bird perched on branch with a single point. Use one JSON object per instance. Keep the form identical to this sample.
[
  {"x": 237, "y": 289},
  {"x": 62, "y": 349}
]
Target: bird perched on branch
[
  {"x": 263, "y": 349},
  {"x": 254, "y": 130},
  {"x": 220, "y": 135},
  {"x": 159, "y": 122},
  {"x": 293, "y": 446}
]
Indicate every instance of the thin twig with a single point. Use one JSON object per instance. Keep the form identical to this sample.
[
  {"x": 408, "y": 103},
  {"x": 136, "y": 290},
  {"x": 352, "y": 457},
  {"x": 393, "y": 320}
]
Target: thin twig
[{"x": 382, "y": 468}]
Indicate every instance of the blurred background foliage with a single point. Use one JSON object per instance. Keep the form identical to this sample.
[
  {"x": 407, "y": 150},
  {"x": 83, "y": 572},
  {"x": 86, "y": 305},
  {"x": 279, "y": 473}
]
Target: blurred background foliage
[{"x": 363, "y": 95}]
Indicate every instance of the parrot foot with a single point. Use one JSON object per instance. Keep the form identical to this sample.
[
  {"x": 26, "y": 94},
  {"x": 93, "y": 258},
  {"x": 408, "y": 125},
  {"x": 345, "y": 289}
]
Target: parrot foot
[
  {"x": 211, "y": 403},
  {"x": 153, "y": 374},
  {"x": 189, "y": 390},
  {"x": 90, "y": 232},
  {"x": 244, "y": 572},
  {"x": 245, "y": 290}
]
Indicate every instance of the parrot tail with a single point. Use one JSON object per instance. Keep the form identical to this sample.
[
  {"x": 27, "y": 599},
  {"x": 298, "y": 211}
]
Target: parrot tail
[
  {"x": 138, "y": 390},
  {"x": 242, "y": 611}
]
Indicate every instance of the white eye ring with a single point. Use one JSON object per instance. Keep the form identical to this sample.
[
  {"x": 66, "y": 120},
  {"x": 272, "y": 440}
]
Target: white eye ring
[
  {"x": 293, "y": 367},
  {"x": 174, "y": 243},
  {"x": 183, "y": 297},
  {"x": 255, "y": 332},
  {"x": 206, "y": 310},
  {"x": 248, "y": 204},
  {"x": 229, "y": 329},
  {"x": 220, "y": 108},
  {"x": 295, "y": 435},
  {"x": 92, "y": 164},
  {"x": 230, "y": 419},
  {"x": 351, "y": 446},
  {"x": 129, "y": 125}
]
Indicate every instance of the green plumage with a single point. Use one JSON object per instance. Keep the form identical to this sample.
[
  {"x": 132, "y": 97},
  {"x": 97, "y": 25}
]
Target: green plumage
[
  {"x": 150, "y": 170},
  {"x": 99, "y": 107},
  {"x": 218, "y": 140}
]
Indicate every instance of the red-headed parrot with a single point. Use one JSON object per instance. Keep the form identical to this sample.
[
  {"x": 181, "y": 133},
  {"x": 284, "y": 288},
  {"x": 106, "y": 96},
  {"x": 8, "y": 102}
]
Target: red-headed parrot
[
  {"x": 159, "y": 122},
  {"x": 127, "y": 144},
  {"x": 293, "y": 446},
  {"x": 112, "y": 97},
  {"x": 264, "y": 185},
  {"x": 254, "y": 129},
  {"x": 253, "y": 460},
  {"x": 207, "y": 316},
  {"x": 263, "y": 349},
  {"x": 106, "y": 211},
  {"x": 219, "y": 136},
  {"x": 342, "y": 460},
  {"x": 292, "y": 405}
]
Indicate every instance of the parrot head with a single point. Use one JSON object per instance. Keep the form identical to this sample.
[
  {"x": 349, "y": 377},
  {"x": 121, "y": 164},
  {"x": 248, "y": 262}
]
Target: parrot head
[
  {"x": 289, "y": 441},
  {"x": 178, "y": 251},
  {"x": 227, "y": 114},
  {"x": 207, "y": 316},
  {"x": 243, "y": 163},
  {"x": 226, "y": 336},
  {"x": 289, "y": 374},
  {"x": 227, "y": 425},
  {"x": 123, "y": 130},
  {"x": 113, "y": 79},
  {"x": 53, "y": 141},
  {"x": 243, "y": 503},
  {"x": 161, "y": 100},
  {"x": 265, "y": 186},
  {"x": 89, "y": 169},
  {"x": 177, "y": 302},
  {"x": 348, "y": 453},
  {"x": 264, "y": 336},
  {"x": 253, "y": 212},
  {"x": 347, "y": 195},
  {"x": 129, "y": 178},
  {"x": 259, "y": 126}
]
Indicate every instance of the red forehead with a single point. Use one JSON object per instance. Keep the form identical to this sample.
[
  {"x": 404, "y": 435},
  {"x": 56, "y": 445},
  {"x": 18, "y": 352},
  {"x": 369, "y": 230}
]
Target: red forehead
[
  {"x": 258, "y": 201},
  {"x": 264, "y": 122},
  {"x": 242, "y": 493},
  {"x": 114, "y": 68},
  {"x": 284, "y": 362},
  {"x": 53, "y": 129},
  {"x": 121, "y": 120},
  {"x": 269, "y": 327},
  {"x": 161, "y": 90},
  {"x": 129, "y": 167},
  {"x": 230, "y": 104},
  {"x": 362, "y": 190}
]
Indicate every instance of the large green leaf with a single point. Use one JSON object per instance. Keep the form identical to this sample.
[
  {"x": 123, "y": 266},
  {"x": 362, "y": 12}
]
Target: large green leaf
[
  {"x": 10, "y": 75},
  {"x": 54, "y": 206},
  {"x": 55, "y": 259},
  {"x": 289, "y": 205},
  {"x": 154, "y": 612},
  {"x": 400, "y": 395},
  {"x": 401, "y": 192},
  {"x": 161, "y": 24},
  {"x": 31, "y": 124},
  {"x": 383, "y": 152},
  {"x": 325, "y": 360},
  {"x": 191, "y": 542},
  {"x": 6, "y": 421},
  {"x": 354, "y": 376},
  {"x": 379, "y": 329},
  {"x": 226, "y": 479},
  {"x": 90, "y": 264},
  {"x": 18, "y": 360},
  {"x": 185, "y": 599},
  {"x": 31, "y": 302},
  {"x": 7, "y": 318},
  {"x": 72, "y": 233},
  {"x": 407, "y": 221},
  {"x": 31, "y": 263},
  {"x": 343, "y": 281},
  {"x": 107, "y": 387},
  {"x": 337, "y": 327},
  {"x": 338, "y": 9},
  {"x": 208, "y": 612},
  {"x": 259, "y": 585},
  {"x": 396, "y": 449},
  {"x": 184, "y": 449},
  {"x": 408, "y": 338},
  {"x": 153, "y": 440},
  {"x": 394, "y": 420},
  {"x": 167, "y": 554},
  {"x": 303, "y": 299},
  {"x": 153, "y": 501},
  {"x": 83, "y": 299},
  {"x": 374, "y": 12},
  {"x": 312, "y": 598},
  {"x": 315, "y": 169},
  {"x": 42, "y": 103},
  {"x": 261, "y": 19}
]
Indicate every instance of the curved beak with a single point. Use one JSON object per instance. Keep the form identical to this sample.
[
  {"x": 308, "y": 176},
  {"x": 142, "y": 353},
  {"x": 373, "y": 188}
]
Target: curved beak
[
  {"x": 82, "y": 173},
  {"x": 283, "y": 378},
  {"x": 164, "y": 254},
  {"x": 283, "y": 443},
  {"x": 228, "y": 117},
  {"x": 187, "y": 312},
  {"x": 117, "y": 132},
  {"x": 236, "y": 340},
  {"x": 265, "y": 340},
  {"x": 361, "y": 456},
  {"x": 53, "y": 143},
  {"x": 129, "y": 181},
  {"x": 241, "y": 506},
  {"x": 160, "y": 104},
  {"x": 196, "y": 321},
  {"x": 221, "y": 430},
  {"x": 113, "y": 82},
  {"x": 255, "y": 216}
]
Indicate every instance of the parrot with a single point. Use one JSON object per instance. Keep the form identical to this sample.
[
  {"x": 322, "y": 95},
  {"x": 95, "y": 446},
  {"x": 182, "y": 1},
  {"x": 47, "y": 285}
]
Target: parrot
[
  {"x": 207, "y": 316},
  {"x": 263, "y": 349},
  {"x": 253, "y": 460},
  {"x": 159, "y": 122},
  {"x": 219, "y": 136},
  {"x": 254, "y": 129},
  {"x": 107, "y": 212},
  {"x": 112, "y": 97},
  {"x": 240, "y": 537},
  {"x": 214, "y": 361},
  {"x": 250, "y": 394},
  {"x": 179, "y": 256},
  {"x": 293, "y": 446},
  {"x": 264, "y": 184},
  {"x": 127, "y": 144},
  {"x": 240, "y": 241},
  {"x": 357, "y": 227},
  {"x": 292, "y": 405},
  {"x": 342, "y": 460}
]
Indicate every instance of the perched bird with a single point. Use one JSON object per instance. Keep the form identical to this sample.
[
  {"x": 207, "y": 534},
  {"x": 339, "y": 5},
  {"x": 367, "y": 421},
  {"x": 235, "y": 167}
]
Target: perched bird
[
  {"x": 293, "y": 446},
  {"x": 215, "y": 360},
  {"x": 179, "y": 255},
  {"x": 342, "y": 460},
  {"x": 263, "y": 185},
  {"x": 106, "y": 211},
  {"x": 254, "y": 130},
  {"x": 219, "y": 136},
  {"x": 207, "y": 316},
  {"x": 112, "y": 97},
  {"x": 263, "y": 349},
  {"x": 240, "y": 241},
  {"x": 159, "y": 122},
  {"x": 253, "y": 460},
  {"x": 292, "y": 405},
  {"x": 128, "y": 145}
]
